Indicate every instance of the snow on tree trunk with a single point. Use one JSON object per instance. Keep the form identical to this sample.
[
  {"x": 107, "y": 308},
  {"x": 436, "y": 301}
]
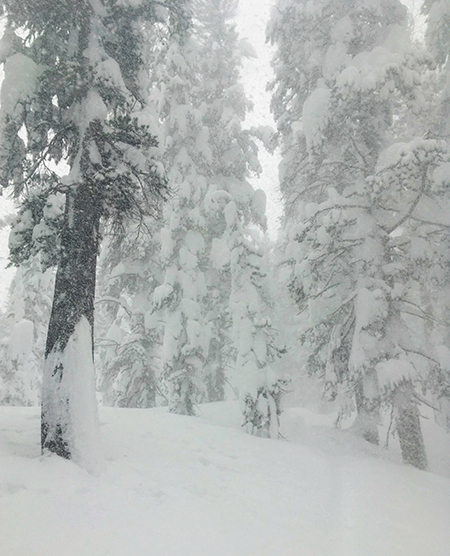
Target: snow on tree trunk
[
  {"x": 396, "y": 379},
  {"x": 82, "y": 102},
  {"x": 69, "y": 425}
]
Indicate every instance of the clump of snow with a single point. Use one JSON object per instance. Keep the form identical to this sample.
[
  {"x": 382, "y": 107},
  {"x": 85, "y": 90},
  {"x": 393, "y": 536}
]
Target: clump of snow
[
  {"x": 91, "y": 108},
  {"x": 21, "y": 225},
  {"x": 336, "y": 58},
  {"x": 21, "y": 75},
  {"x": 231, "y": 214},
  {"x": 315, "y": 115},
  {"x": 8, "y": 43},
  {"x": 393, "y": 372},
  {"x": 54, "y": 206},
  {"x": 441, "y": 175},
  {"x": 220, "y": 253},
  {"x": 217, "y": 200},
  {"x": 194, "y": 241},
  {"x": 161, "y": 294}
]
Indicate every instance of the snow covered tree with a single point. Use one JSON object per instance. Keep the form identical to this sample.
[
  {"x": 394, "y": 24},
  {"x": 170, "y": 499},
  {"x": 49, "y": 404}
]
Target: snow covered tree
[
  {"x": 74, "y": 92},
  {"x": 211, "y": 157},
  {"x": 233, "y": 155},
  {"x": 331, "y": 131},
  {"x": 128, "y": 337},
  {"x": 186, "y": 337},
  {"x": 356, "y": 80},
  {"x": 438, "y": 42},
  {"x": 260, "y": 389},
  {"x": 417, "y": 250},
  {"x": 437, "y": 38},
  {"x": 26, "y": 324},
  {"x": 233, "y": 207}
]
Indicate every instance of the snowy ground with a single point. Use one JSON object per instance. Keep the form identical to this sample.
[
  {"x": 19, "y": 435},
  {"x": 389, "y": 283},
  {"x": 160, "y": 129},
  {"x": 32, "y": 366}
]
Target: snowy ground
[{"x": 180, "y": 486}]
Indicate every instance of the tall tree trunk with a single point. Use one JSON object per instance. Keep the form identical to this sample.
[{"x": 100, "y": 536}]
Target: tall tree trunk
[
  {"x": 73, "y": 303},
  {"x": 215, "y": 365},
  {"x": 408, "y": 427},
  {"x": 367, "y": 413}
]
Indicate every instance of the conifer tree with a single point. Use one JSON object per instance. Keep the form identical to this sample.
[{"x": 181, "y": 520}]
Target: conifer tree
[
  {"x": 437, "y": 37},
  {"x": 337, "y": 118},
  {"x": 186, "y": 336},
  {"x": 210, "y": 157},
  {"x": 74, "y": 83},
  {"x": 233, "y": 157},
  {"x": 233, "y": 207},
  {"x": 260, "y": 389},
  {"x": 26, "y": 322},
  {"x": 128, "y": 335}
]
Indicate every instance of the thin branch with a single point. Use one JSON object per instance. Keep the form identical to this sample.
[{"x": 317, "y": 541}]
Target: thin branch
[
  {"x": 437, "y": 224},
  {"x": 413, "y": 206},
  {"x": 426, "y": 402},
  {"x": 421, "y": 353},
  {"x": 114, "y": 300},
  {"x": 426, "y": 315},
  {"x": 391, "y": 421},
  {"x": 349, "y": 300}
]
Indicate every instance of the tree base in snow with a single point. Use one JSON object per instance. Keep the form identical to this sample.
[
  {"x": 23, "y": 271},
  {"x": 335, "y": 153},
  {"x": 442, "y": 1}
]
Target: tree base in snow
[
  {"x": 409, "y": 429},
  {"x": 262, "y": 416},
  {"x": 54, "y": 443},
  {"x": 367, "y": 417}
]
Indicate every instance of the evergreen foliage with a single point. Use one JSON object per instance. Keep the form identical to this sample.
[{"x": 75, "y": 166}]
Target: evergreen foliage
[
  {"x": 25, "y": 326},
  {"x": 356, "y": 202},
  {"x": 72, "y": 93},
  {"x": 101, "y": 98}
]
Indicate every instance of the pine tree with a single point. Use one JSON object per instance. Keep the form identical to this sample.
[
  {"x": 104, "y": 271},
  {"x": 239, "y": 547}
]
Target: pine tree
[
  {"x": 233, "y": 157},
  {"x": 338, "y": 119},
  {"x": 26, "y": 324},
  {"x": 74, "y": 84},
  {"x": 260, "y": 389},
  {"x": 186, "y": 336},
  {"x": 233, "y": 208},
  {"x": 128, "y": 334},
  {"x": 437, "y": 37}
]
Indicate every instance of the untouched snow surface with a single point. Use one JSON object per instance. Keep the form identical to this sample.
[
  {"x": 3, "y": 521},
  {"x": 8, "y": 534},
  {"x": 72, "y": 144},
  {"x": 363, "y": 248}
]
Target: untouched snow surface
[{"x": 183, "y": 486}]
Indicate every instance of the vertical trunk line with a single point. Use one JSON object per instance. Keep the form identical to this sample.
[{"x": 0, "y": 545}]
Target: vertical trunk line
[{"x": 73, "y": 299}]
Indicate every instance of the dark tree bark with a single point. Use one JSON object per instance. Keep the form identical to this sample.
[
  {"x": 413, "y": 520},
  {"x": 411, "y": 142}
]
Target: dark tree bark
[
  {"x": 73, "y": 299},
  {"x": 216, "y": 380},
  {"x": 408, "y": 427},
  {"x": 367, "y": 415}
]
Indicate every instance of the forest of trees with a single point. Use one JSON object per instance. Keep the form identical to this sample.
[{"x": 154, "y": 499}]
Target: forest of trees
[{"x": 123, "y": 141}]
